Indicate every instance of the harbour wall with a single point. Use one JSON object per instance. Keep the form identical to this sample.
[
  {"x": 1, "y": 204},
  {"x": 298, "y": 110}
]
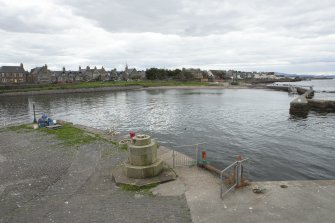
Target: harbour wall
[
  {"x": 301, "y": 105},
  {"x": 304, "y": 103}
]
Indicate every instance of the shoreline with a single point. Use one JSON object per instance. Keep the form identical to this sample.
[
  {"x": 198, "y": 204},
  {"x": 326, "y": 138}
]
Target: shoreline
[
  {"x": 126, "y": 88},
  {"x": 66, "y": 91}
]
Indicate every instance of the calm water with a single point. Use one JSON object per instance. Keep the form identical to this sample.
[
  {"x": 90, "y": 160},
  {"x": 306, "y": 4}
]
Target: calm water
[{"x": 253, "y": 123}]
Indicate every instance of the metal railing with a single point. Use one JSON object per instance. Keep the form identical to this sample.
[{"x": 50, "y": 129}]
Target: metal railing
[
  {"x": 233, "y": 176},
  {"x": 180, "y": 159}
]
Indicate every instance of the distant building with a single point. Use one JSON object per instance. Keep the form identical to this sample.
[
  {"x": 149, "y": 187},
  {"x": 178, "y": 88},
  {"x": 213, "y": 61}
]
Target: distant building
[
  {"x": 142, "y": 74},
  {"x": 76, "y": 76},
  {"x": 217, "y": 74},
  {"x": 66, "y": 76},
  {"x": 113, "y": 75},
  {"x": 95, "y": 74},
  {"x": 210, "y": 74},
  {"x": 40, "y": 75},
  {"x": 230, "y": 74},
  {"x": 13, "y": 74},
  {"x": 59, "y": 76},
  {"x": 130, "y": 73}
]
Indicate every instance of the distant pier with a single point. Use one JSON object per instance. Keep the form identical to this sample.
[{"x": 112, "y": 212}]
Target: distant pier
[{"x": 301, "y": 105}]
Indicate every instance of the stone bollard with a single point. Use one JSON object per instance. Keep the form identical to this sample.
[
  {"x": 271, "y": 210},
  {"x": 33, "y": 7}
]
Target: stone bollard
[{"x": 142, "y": 160}]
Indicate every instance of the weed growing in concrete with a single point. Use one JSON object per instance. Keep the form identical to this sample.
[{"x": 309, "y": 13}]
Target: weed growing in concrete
[{"x": 145, "y": 188}]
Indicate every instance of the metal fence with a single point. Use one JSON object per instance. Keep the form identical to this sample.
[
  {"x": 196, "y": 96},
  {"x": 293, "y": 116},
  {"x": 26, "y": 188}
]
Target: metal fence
[
  {"x": 180, "y": 159},
  {"x": 234, "y": 176}
]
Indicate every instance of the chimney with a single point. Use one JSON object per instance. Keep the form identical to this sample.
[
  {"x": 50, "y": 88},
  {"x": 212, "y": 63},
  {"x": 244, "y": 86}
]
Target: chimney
[
  {"x": 21, "y": 65},
  {"x": 63, "y": 69},
  {"x": 46, "y": 66},
  {"x": 79, "y": 68},
  {"x": 88, "y": 68}
]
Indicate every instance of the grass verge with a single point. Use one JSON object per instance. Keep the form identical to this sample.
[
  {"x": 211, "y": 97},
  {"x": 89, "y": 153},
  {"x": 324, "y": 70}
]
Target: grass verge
[
  {"x": 70, "y": 135},
  {"x": 103, "y": 84},
  {"x": 18, "y": 128}
]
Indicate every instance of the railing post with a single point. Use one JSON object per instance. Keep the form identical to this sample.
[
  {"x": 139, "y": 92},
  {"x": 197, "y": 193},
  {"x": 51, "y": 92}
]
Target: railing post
[
  {"x": 238, "y": 174},
  {"x": 173, "y": 159},
  {"x": 197, "y": 153},
  {"x": 221, "y": 185}
]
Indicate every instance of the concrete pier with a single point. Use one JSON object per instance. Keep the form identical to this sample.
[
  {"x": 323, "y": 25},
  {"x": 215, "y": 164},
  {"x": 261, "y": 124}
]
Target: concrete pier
[
  {"x": 300, "y": 90},
  {"x": 282, "y": 201},
  {"x": 322, "y": 105},
  {"x": 303, "y": 104},
  {"x": 299, "y": 106}
]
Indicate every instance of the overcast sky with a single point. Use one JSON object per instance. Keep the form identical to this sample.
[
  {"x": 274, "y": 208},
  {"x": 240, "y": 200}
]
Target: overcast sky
[{"x": 290, "y": 36}]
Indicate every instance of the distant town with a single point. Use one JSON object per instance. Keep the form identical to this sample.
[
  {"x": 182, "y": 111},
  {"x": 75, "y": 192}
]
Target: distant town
[{"x": 16, "y": 75}]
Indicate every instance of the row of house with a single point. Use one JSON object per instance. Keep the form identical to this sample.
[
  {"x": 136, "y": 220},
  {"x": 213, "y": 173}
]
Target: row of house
[
  {"x": 239, "y": 75},
  {"x": 42, "y": 75}
]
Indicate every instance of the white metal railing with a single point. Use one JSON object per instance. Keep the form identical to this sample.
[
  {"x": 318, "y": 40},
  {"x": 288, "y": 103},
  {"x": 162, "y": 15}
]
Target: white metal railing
[
  {"x": 180, "y": 159},
  {"x": 233, "y": 176}
]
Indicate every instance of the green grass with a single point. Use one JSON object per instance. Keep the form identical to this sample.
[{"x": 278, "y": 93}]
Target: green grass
[
  {"x": 18, "y": 128},
  {"x": 70, "y": 135},
  {"x": 144, "y": 189},
  {"x": 104, "y": 84}
]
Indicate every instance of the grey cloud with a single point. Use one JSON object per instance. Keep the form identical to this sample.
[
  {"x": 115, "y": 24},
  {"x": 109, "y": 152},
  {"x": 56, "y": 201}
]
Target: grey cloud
[
  {"x": 297, "y": 36},
  {"x": 167, "y": 17},
  {"x": 200, "y": 18}
]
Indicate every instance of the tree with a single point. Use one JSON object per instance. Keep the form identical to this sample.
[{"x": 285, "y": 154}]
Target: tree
[
  {"x": 156, "y": 74},
  {"x": 151, "y": 73}
]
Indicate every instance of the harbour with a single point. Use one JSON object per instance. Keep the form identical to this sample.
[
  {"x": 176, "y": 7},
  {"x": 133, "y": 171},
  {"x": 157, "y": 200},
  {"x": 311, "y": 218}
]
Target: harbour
[{"x": 252, "y": 122}]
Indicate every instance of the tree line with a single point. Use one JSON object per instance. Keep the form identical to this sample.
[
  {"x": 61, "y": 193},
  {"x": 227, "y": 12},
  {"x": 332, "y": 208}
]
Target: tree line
[{"x": 177, "y": 74}]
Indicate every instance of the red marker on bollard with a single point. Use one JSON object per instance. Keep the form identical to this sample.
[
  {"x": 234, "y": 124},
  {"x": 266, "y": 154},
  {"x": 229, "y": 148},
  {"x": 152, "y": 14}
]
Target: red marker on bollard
[
  {"x": 203, "y": 155},
  {"x": 132, "y": 135}
]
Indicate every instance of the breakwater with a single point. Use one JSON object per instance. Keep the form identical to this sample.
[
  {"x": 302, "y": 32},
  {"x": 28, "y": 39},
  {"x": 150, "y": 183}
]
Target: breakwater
[
  {"x": 287, "y": 88},
  {"x": 77, "y": 90},
  {"x": 301, "y": 105},
  {"x": 322, "y": 105}
]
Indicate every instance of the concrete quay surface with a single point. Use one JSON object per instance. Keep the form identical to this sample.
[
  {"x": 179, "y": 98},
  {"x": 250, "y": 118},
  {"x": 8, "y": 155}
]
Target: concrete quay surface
[
  {"x": 297, "y": 201},
  {"x": 43, "y": 181}
]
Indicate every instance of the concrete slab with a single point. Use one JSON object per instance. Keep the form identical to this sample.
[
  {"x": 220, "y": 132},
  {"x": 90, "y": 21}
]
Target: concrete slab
[
  {"x": 120, "y": 179},
  {"x": 2, "y": 158},
  {"x": 173, "y": 188},
  {"x": 301, "y": 201}
]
